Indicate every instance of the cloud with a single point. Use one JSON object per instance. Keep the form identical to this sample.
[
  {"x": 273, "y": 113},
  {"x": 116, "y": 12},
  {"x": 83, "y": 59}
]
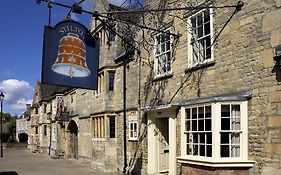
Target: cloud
[
  {"x": 20, "y": 105},
  {"x": 6, "y": 73},
  {"x": 17, "y": 94}
]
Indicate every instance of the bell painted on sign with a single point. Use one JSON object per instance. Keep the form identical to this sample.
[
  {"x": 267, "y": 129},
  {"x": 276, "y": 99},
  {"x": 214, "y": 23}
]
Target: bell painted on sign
[{"x": 71, "y": 59}]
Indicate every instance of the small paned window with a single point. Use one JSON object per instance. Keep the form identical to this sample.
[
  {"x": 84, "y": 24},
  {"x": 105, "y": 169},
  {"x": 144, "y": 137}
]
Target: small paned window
[{"x": 133, "y": 130}]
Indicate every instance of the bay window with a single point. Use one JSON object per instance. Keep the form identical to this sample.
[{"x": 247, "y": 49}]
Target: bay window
[{"x": 215, "y": 134}]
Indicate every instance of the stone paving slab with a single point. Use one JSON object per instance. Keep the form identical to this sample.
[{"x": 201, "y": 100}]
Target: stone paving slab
[{"x": 23, "y": 162}]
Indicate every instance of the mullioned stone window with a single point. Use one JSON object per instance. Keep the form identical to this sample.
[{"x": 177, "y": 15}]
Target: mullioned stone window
[{"x": 133, "y": 130}]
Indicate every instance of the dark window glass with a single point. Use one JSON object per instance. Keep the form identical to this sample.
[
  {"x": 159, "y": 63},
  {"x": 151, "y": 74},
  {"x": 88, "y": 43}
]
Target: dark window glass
[
  {"x": 112, "y": 127},
  {"x": 111, "y": 81},
  {"x": 45, "y": 130}
]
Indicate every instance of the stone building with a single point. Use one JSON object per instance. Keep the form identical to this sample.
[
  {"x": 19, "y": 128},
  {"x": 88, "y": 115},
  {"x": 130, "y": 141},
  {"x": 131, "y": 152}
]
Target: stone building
[
  {"x": 212, "y": 100},
  {"x": 41, "y": 117},
  {"x": 22, "y": 123},
  {"x": 198, "y": 102}
]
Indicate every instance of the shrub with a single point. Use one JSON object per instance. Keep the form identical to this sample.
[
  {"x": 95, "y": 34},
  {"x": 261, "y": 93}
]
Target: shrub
[
  {"x": 4, "y": 137},
  {"x": 23, "y": 137}
]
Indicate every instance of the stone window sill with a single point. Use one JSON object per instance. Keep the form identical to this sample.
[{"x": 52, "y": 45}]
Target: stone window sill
[
  {"x": 200, "y": 66},
  {"x": 133, "y": 140},
  {"x": 162, "y": 77},
  {"x": 218, "y": 164}
]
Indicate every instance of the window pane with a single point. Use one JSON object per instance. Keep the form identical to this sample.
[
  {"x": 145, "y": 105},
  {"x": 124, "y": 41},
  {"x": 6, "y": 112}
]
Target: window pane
[
  {"x": 209, "y": 151},
  {"x": 201, "y": 112},
  {"x": 208, "y": 125},
  {"x": 188, "y": 138},
  {"x": 202, "y": 137},
  {"x": 208, "y": 112},
  {"x": 199, "y": 20},
  {"x": 187, "y": 125},
  {"x": 187, "y": 112},
  {"x": 195, "y": 138},
  {"x": 194, "y": 125},
  {"x": 188, "y": 149},
  {"x": 194, "y": 113},
  {"x": 225, "y": 111},
  {"x": 224, "y": 138},
  {"x": 195, "y": 149},
  {"x": 224, "y": 151},
  {"x": 235, "y": 111},
  {"x": 200, "y": 31},
  {"x": 235, "y": 138},
  {"x": 202, "y": 150},
  {"x": 201, "y": 125},
  {"x": 235, "y": 151},
  {"x": 225, "y": 124},
  {"x": 207, "y": 28},
  {"x": 193, "y": 22},
  {"x": 206, "y": 16},
  {"x": 209, "y": 138},
  {"x": 235, "y": 123}
]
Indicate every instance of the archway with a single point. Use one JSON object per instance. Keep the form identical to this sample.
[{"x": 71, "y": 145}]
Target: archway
[{"x": 73, "y": 139}]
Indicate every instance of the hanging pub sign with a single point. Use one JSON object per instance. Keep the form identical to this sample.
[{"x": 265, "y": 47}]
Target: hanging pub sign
[{"x": 70, "y": 56}]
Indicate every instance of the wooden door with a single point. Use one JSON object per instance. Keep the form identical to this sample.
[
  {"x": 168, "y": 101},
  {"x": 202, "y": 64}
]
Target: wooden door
[{"x": 163, "y": 145}]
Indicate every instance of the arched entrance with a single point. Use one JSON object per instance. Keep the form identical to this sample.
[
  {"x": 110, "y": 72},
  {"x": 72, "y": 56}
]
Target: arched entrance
[{"x": 73, "y": 139}]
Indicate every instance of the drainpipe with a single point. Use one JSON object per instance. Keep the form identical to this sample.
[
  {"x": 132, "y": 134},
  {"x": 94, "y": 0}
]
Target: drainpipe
[
  {"x": 124, "y": 117},
  {"x": 123, "y": 59},
  {"x": 50, "y": 144}
]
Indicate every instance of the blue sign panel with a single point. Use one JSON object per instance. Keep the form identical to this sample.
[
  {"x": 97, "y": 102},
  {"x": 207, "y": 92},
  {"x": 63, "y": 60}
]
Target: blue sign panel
[{"x": 70, "y": 56}]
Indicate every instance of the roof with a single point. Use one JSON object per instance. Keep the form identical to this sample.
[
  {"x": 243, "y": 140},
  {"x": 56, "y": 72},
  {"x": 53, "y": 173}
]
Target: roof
[{"x": 47, "y": 91}]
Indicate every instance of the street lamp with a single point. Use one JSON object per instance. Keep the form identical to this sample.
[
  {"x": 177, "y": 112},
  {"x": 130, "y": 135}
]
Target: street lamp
[{"x": 1, "y": 100}]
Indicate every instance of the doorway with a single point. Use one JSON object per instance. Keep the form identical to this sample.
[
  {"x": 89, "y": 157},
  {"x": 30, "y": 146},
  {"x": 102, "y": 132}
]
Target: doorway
[
  {"x": 73, "y": 139},
  {"x": 163, "y": 144}
]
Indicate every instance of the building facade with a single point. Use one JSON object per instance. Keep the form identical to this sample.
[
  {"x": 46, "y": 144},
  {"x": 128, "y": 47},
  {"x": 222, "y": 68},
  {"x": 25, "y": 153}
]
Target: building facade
[
  {"x": 202, "y": 101},
  {"x": 22, "y": 123}
]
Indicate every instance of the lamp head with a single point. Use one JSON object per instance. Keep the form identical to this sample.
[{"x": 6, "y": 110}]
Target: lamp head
[{"x": 2, "y": 96}]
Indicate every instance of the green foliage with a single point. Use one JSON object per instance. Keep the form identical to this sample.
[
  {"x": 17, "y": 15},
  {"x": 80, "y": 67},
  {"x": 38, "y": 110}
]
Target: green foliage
[
  {"x": 6, "y": 117},
  {"x": 23, "y": 137},
  {"x": 12, "y": 127},
  {"x": 4, "y": 137}
]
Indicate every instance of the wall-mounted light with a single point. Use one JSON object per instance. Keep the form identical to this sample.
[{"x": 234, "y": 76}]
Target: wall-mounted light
[{"x": 277, "y": 56}]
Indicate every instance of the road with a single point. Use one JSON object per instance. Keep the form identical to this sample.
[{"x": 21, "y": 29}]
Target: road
[{"x": 23, "y": 162}]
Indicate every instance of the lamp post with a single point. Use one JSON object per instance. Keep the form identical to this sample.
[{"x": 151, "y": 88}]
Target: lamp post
[{"x": 1, "y": 100}]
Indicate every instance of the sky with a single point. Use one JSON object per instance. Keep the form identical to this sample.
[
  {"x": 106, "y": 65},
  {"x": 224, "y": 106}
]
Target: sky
[{"x": 21, "y": 43}]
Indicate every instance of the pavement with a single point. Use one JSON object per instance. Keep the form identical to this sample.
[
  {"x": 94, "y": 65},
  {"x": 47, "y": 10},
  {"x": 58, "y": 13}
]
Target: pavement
[{"x": 23, "y": 162}]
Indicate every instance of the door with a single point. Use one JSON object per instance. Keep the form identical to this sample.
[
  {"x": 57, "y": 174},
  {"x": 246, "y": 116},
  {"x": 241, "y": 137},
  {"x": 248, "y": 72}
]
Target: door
[
  {"x": 163, "y": 145},
  {"x": 74, "y": 145}
]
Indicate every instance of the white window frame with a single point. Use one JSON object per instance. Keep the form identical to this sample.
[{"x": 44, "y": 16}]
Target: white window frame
[
  {"x": 216, "y": 160},
  {"x": 161, "y": 53},
  {"x": 189, "y": 41},
  {"x": 134, "y": 130}
]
